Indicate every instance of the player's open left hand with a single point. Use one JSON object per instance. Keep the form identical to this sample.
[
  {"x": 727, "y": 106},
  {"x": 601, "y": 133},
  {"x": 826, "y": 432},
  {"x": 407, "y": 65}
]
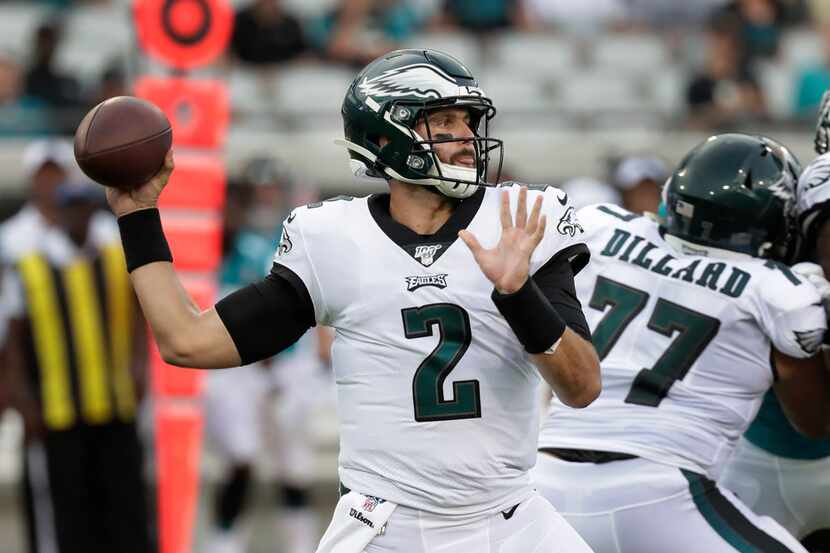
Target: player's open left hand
[
  {"x": 508, "y": 264},
  {"x": 143, "y": 197}
]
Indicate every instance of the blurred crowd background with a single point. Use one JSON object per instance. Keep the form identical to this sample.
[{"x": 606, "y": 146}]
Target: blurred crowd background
[{"x": 601, "y": 97}]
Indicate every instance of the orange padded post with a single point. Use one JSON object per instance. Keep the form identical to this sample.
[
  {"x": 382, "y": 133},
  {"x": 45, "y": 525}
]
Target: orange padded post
[
  {"x": 197, "y": 183},
  {"x": 179, "y": 443},
  {"x": 169, "y": 381},
  {"x": 186, "y": 35},
  {"x": 196, "y": 242},
  {"x": 199, "y": 111}
]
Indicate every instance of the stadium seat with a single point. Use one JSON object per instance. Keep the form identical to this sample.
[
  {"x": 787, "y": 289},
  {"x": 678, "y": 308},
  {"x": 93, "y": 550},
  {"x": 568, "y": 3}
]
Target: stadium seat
[
  {"x": 309, "y": 90},
  {"x": 642, "y": 53},
  {"x": 595, "y": 92},
  {"x": 513, "y": 93},
  {"x": 533, "y": 54},
  {"x": 93, "y": 38},
  {"x": 301, "y": 8},
  {"x": 249, "y": 90},
  {"x": 18, "y": 21},
  {"x": 101, "y": 26},
  {"x": 667, "y": 91},
  {"x": 462, "y": 46},
  {"x": 801, "y": 48},
  {"x": 778, "y": 83}
]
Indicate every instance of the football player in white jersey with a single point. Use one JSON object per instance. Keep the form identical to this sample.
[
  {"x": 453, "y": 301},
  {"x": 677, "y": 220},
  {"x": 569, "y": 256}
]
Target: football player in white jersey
[
  {"x": 776, "y": 471},
  {"x": 686, "y": 315},
  {"x": 448, "y": 298}
]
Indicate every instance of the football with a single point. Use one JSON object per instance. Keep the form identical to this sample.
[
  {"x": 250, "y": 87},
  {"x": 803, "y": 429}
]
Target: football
[{"x": 122, "y": 142}]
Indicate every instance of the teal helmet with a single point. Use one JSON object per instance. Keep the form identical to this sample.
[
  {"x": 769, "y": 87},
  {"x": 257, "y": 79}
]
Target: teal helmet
[
  {"x": 734, "y": 192},
  {"x": 391, "y": 96}
]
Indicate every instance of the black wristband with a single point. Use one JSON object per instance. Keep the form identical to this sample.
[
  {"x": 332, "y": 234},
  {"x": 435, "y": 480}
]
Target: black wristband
[
  {"x": 143, "y": 238},
  {"x": 531, "y": 316}
]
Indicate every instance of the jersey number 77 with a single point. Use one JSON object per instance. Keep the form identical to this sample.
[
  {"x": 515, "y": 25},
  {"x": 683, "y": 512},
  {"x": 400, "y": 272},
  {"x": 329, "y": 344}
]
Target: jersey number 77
[{"x": 695, "y": 331}]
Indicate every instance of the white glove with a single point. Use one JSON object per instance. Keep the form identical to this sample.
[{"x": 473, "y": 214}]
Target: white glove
[{"x": 822, "y": 141}]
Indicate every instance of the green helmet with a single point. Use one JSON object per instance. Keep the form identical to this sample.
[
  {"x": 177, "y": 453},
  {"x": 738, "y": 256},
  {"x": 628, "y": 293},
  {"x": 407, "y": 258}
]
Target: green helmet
[
  {"x": 734, "y": 192},
  {"x": 391, "y": 96}
]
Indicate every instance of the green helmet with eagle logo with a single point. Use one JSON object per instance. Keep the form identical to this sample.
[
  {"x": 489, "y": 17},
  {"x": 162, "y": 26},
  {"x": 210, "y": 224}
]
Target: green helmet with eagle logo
[
  {"x": 391, "y": 96},
  {"x": 734, "y": 192}
]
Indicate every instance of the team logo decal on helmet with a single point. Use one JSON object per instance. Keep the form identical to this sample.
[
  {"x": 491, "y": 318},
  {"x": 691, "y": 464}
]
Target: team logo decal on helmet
[
  {"x": 392, "y": 97},
  {"x": 410, "y": 80}
]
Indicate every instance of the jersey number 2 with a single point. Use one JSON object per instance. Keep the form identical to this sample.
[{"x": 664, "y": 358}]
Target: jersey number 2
[
  {"x": 695, "y": 329},
  {"x": 428, "y": 384}
]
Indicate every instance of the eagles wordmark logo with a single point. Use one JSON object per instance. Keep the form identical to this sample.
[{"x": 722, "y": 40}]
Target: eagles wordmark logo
[
  {"x": 426, "y": 254},
  {"x": 568, "y": 224},
  {"x": 419, "y": 281}
]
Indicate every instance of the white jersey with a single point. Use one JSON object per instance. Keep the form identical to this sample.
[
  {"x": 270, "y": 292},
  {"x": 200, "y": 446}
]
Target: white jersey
[
  {"x": 813, "y": 194},
  {"x": 684, "y": 342},
  {"x": 436, "y": 396}
]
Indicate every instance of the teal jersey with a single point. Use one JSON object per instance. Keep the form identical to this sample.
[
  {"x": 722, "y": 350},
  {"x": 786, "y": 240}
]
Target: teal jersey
[
  {"x": 772, "y": 432},
  {"x": 248, "y": 260}
]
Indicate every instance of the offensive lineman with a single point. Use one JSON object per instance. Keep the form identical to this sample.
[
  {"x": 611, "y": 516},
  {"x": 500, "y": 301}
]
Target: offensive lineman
[
  {"x": 686, "y": 316},
  {"x": 775, "y": 470},
  {"x": 436, "y": 360}
]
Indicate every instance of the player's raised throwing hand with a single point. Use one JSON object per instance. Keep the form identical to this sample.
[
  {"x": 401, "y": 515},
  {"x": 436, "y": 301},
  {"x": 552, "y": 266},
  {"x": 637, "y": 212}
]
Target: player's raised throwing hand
[
  {"x": 146, "y": 196},
  {"x": 508, "y": 264}
]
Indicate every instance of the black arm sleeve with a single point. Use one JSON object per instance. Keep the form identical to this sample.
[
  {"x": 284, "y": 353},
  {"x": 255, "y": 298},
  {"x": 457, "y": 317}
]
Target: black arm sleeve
[
  {"x": 556, "y": 280},
  {"x": 266, "y": 317}
]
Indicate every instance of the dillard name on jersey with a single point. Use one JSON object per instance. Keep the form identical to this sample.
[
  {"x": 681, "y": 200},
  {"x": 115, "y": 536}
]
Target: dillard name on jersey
[{"x": 709, "y": 274}]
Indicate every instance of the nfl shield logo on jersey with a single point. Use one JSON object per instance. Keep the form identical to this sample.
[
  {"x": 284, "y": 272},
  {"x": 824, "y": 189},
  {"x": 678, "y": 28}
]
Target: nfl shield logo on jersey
[
  {"x": 371, "y": 502},
  {"x": 426, "y": 254}
]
